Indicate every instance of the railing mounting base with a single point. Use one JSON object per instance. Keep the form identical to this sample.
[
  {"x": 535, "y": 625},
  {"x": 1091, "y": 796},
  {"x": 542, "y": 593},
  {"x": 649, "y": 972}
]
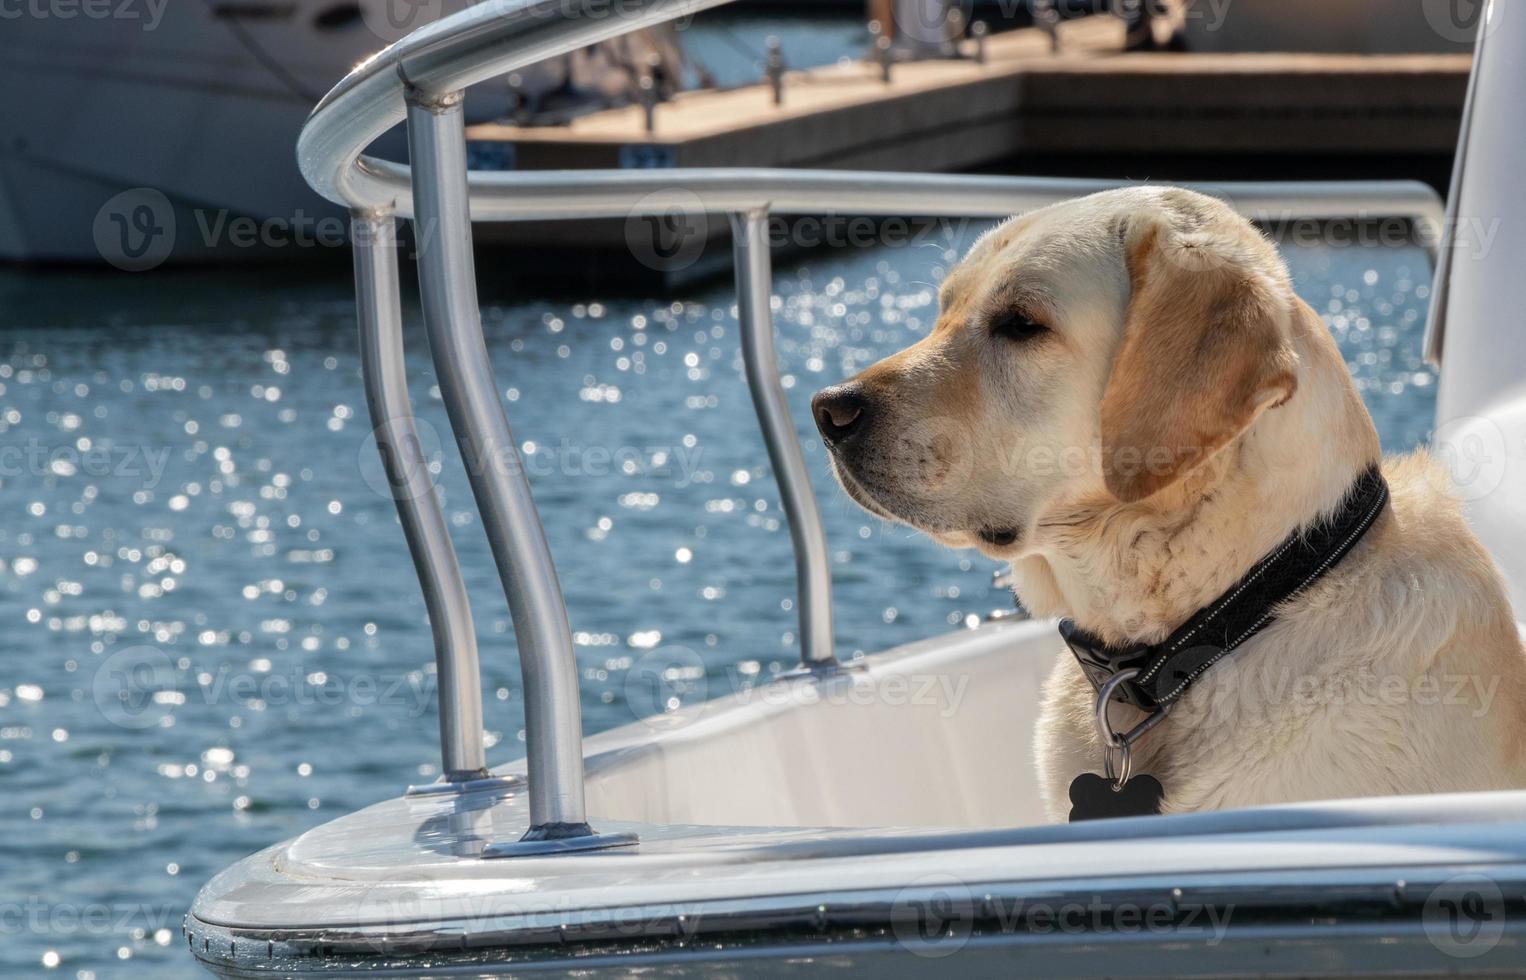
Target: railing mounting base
[
  {"x": 559, "y": 845},
  {"x": 819, "y": 669},
  {"x": 475, "y": 785}
]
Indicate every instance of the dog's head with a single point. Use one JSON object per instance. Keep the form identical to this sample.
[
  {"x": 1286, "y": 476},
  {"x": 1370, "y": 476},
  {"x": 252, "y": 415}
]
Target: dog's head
[{"x": 1103, "y": 346}]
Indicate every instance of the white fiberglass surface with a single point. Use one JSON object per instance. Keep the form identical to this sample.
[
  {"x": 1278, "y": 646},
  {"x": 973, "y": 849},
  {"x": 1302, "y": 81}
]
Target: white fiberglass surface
[{"x": 940, "y": 734}]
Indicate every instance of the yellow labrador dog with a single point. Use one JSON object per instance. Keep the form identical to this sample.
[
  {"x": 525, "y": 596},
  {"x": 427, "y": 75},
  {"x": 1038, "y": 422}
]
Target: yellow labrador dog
[{"x": 1123, "y": 396}]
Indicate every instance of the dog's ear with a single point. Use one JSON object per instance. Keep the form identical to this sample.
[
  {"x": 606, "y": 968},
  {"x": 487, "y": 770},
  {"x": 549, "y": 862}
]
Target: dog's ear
[{"x": 1205, "y": 347}]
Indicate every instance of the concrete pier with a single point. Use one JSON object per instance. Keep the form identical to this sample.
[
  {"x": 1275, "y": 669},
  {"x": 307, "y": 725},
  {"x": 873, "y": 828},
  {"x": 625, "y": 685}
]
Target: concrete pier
[{"x": 1091, "y": 97}]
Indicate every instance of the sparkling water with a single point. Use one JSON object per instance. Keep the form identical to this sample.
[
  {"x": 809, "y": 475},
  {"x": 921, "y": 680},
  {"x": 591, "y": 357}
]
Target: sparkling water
[{"x": 192, "y": 507}]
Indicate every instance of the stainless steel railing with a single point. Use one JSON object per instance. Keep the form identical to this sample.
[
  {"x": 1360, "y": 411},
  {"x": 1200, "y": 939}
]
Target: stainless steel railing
[
  {"x": 813, "y": 570},
  {"x": 421, "y": 79},
  {"x": 407, "y": 470}
]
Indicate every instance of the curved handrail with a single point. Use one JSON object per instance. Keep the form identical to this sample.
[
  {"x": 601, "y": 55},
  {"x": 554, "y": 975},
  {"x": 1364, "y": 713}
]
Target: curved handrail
[
  {"x": 449, "y": 55},
  {"x": 550, "y": 195},
  {"x": 379, "y": 316}
]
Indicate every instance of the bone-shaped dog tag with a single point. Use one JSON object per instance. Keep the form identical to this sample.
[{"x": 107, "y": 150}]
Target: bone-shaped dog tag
[{"x": 1092, "y": 797}]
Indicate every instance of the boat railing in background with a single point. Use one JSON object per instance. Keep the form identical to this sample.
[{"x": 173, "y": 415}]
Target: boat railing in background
[{"x": 421, "y": 79}]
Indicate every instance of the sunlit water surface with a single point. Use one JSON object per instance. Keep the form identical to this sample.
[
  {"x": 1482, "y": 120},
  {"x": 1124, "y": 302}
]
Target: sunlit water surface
[{"x": 188, "y": 487}]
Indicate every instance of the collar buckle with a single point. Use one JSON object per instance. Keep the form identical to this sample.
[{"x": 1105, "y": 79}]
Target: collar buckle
[{"x": 1102, "y": 663}]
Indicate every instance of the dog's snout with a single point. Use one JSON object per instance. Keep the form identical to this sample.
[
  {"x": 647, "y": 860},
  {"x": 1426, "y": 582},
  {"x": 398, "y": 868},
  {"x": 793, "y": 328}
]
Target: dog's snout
[{"x": 840, "y": 411}]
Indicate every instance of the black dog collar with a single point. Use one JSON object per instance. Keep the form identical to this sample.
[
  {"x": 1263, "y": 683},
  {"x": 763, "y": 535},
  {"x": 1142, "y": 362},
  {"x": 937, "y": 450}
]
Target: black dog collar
[{"x": 1166, "y": 669}]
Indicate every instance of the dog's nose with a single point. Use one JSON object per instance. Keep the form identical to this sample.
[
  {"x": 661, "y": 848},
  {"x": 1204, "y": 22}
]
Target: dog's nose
[{"x": 839, "y": 411}]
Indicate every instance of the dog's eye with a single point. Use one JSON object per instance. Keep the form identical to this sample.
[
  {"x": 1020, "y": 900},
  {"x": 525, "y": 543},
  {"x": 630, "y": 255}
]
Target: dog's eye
[{"x": 1015, "y": 327}]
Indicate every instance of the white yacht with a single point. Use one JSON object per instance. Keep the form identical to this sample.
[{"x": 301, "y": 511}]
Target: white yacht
[
  {"x": 815, "y": 823},
  {"x": 139, "y": 131},
  {"x": 166, "y": 100}
]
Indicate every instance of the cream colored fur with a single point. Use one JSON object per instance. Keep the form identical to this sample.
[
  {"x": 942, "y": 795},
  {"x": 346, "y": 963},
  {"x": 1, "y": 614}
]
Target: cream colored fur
[{"x": 1172, "y": 322}]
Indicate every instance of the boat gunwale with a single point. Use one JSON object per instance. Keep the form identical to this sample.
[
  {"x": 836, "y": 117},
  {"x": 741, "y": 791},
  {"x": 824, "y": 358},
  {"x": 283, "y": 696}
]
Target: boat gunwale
[{"x": 1389, "y": 895}]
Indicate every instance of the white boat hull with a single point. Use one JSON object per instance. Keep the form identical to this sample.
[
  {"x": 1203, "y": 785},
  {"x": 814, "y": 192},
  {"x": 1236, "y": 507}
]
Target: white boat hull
[
  {"x": 798, "y": 827},
  {"x": 189, "y": 109}
]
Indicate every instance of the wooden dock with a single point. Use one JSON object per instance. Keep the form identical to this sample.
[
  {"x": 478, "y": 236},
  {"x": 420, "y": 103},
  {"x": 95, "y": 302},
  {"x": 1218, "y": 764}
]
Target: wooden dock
[
  {"x": 1089, "y": 108},
  {"x": 1091, "y": 97}
]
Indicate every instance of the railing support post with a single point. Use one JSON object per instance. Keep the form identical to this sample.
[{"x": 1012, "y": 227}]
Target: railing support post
[
  {"x": 448, "y": 289},
  {"x": 378, "y": 313},
  {"x": 813, "y": 572}
]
